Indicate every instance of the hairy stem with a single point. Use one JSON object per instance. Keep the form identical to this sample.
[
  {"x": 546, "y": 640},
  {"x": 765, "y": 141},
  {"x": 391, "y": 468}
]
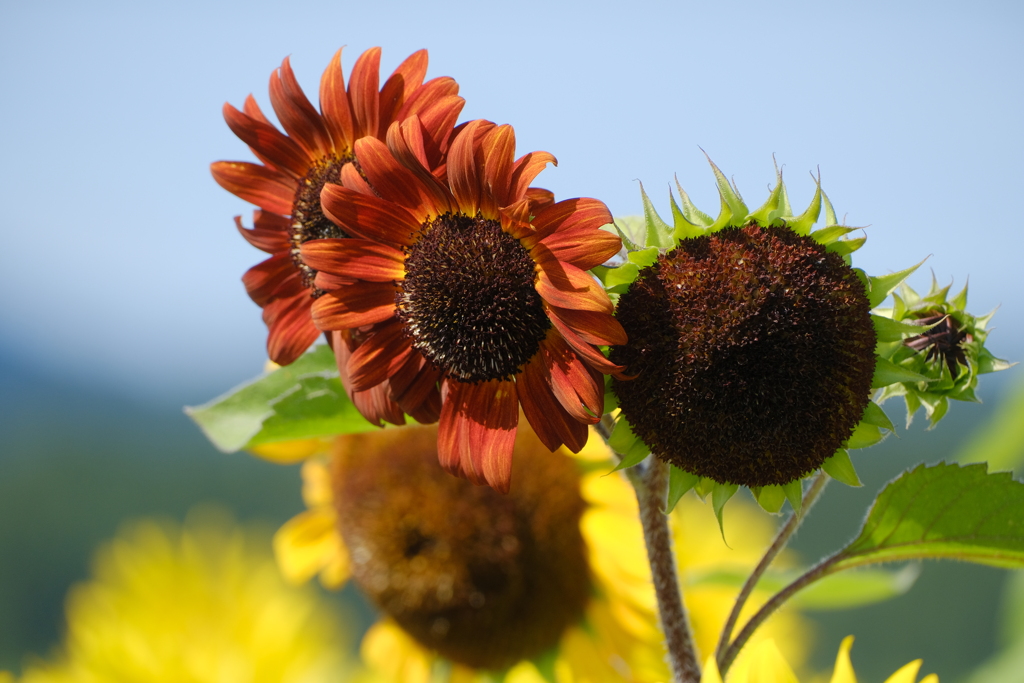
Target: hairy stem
[
  {"x": 781, "y": 539},
  {"x": 819, "y": 571},
  {"x": 651, "y": 484}
]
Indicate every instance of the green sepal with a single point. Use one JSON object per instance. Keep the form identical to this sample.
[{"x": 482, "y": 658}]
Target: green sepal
[
  {"x": 889, "y": 330},
  {"x": 619, "y": 279},
  {"x": 830, "y": 234},
  {"x": 840, "y": 468},
  {"x": 644, "y": 257},
  {"x": 719, "y": 497},
  {"x": 881, "y": 286},
  {"x": 864, "y": 435},
  {"x": 622, "y": 437},
  {"x": 768, "y": 212},
  {"x": 705, "y": 486},
  {"x": 679, "y": 482},
  {"x": 846, "y": 247},
  {"x": 770, "y": 498},
  {"x": 728, "y": 194},
  {"x": 632, "y": 231},
  {"x": 794, "y": 491},
  {"x": 611, "y": 399},
  {"x": 634, "y": 456},
  {"x": 691, "y": 213},
  {"x": 830, "y": 213},
  {"x": 659, "y": 233},
  {"x": 802, "y": 224},
  {"x": 545, "y": 664},
  {"x": 887, "y": 372},
  {"x": 874, "y": 415}
]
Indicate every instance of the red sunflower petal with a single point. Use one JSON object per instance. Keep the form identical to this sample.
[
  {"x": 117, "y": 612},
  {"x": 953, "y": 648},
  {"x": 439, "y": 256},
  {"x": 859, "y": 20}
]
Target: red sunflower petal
[
  {"x": 363, "y": 92},
  {"x": 552, "y": 424},
  {"x": 426, "y": 95},
  {"x": 375, "y": 404},
  {"x": 405, "y": 79},
  {"x": 379, "y": 356},
  {"x": 499, "y": 148},
  {"x": 363, "y": 303},
  {"x": 462, "y": 171},
  {"x": 390, "y": 179},
  {"x": 267, "y": 188},
  {"x": 591, "y": 326},
  {"x": 583, "y": 247},
  {"x": 477, "y": 431},
  {"x": 263, "y": 279},
  {"x": 298, "y": 117},
  {"x": 570, "y": 214},
  {"x": 251, "y": 108},
  {"x": 438, "y": 122},
  {"x": 564, "y": 285},
  {"x": 356, "y": 258},
  {"x": 337, "y": 112},
  {"x": 330, "y": 281},
  {"x": 267, "y": 142},
  {"x": 414, "y": 387},
  {"x": 571, "y": 381},
  {"x": 526, "y": 168},
  {"x": 368, "y": 216},
  {"x": 266, "y": 234},
  {"x": 291, "y": 328},
  {"x": 539, "y": 198},
  {"x": 588, "y": 353},
  {"x": 407, "y": 144}
]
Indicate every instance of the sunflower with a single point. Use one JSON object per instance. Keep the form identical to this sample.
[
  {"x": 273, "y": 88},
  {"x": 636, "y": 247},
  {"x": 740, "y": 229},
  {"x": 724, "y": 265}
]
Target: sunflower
[
  {"x": 757, "y": 350},
  {"x": 467, "y": 277},
  {"x": 314, "y": 151},
  {"x": 199, "y": 602},
  {"x": 545, "y": 583},
  {"x": 765, "y": 663}
]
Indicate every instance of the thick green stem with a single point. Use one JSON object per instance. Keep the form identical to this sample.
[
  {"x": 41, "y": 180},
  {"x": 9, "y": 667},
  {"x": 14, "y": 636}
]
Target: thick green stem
[{"x": 781, "y": 539}]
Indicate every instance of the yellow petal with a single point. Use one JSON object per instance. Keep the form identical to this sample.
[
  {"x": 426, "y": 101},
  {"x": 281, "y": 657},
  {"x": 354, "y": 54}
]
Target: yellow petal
[
  {"x": 906, "y": 673},
  {"x": 843, "y": 673},
  {"x": 316, "y": 484},
  {"x": 388, "y": 649},
  {"x": 308, "y": 543},
  {"x": 767, "y": 665},
  {"x": 711, "y": 674}
]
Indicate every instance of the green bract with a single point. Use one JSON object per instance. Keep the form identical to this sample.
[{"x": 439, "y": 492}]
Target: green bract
[{"x": 899, "y": 369}]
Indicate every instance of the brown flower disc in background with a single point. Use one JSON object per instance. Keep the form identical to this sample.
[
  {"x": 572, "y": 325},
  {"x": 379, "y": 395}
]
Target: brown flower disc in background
[
  {"x": 753, "y": 350},
  {"x": 484, "y": 579}
]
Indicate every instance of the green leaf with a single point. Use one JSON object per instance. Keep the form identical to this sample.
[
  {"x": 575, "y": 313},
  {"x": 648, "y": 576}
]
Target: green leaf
[
  {"x": 840, "y": 468},
  {"x": 943, "y": 511},
  {"x": 659, "y": 233},
  {"x": 1001, "y": 441},
  {"x": 854, "y": 589},
  {"x": 887, "y": 372},
  {"x": 882, "y": 286},
  {"x": 679, "y": 482},
  {"x": 299, "y": 401}
]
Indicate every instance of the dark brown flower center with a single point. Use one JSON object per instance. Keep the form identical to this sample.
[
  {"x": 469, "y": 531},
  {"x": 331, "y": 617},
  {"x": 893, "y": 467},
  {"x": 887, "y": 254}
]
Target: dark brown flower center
[
  {"x": 469, "y": 301},
  {"x": 308, "y": 219},
  {"x": 484, "y": 579},
  {"x": 754, "y": 354}
]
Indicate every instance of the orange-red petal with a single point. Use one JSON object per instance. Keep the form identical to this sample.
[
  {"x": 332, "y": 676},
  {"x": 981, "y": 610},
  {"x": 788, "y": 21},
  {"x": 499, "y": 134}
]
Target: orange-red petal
[
  {"x": 390, "y": 179},
  {"x": 263, "y": 280},
  {"x": 368, "y": 216},
  {"x": 334, "y": 104},
  {"x": 585, "y": 351},
  {"x": 356, "y": 258},
  {"x": 583, "y": 247},
  {"x": 591, "y": 326},
  {"x": 379, "y": 356},
  {"x": 363, "y": 92},
  {"x": 570, "y": 214},
  {"x": 362, "y": 303},
  {"x": 291, "y": 328},
  {"x": 268, "y": 143},
  {"x": 499, "y": 148},
  {"x": 298, "y": 117},
  {"x": 526, "y": 168},
  {"x": 405, "y": 79},
  {"x": 552, "y": 424},
  {"x": 565, "y": 285},
  {"x": 265, "y": 187},
  {"x": 571, "y": 381},
  {"x": 477, "y": 431},
  {"x": 269, "y": 232}
]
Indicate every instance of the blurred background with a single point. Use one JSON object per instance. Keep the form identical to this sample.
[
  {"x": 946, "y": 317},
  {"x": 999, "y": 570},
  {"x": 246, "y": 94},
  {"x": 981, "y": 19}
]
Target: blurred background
[{"x": 120, "y": 293}]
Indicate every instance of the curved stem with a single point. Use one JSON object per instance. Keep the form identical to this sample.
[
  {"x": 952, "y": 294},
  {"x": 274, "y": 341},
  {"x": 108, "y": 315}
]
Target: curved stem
[
  {"x": 816, "y": 572},
  {"x": 651, "y": 486},
  {"x": 781, "y": 539}
]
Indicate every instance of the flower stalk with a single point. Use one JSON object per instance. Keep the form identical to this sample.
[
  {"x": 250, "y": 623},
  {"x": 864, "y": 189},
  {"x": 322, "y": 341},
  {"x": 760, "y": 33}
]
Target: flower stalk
[{"x": 778, "y": 544}]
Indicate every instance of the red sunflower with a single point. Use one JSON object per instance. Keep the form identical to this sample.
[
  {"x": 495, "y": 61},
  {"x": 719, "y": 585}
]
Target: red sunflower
[
  {"x": 468, "y": 279},
  {"x": 314, "y": 151}
]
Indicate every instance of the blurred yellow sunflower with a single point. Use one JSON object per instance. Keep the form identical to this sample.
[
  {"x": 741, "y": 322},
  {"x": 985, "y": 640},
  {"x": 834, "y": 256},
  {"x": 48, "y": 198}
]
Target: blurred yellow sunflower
[
  {"x": 190, "y": 604},
  {"x": 765, "y": 664},
  {"x": 547, "y": 583}
]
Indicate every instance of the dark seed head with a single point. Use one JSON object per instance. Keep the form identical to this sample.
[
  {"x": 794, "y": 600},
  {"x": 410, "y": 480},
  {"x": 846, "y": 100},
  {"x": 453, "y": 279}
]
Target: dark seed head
[
  {"x": 469, "y": 301},
  {"x": 484, "y": 579},
  {"x": 754, "y": 353},
  {"x": 308, "y": 219}
]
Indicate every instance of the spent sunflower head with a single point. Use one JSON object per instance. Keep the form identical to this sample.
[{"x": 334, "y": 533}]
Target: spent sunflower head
[
  {"x": 471, "y": 294},
  {"x": 753, "y": 344},
  {"x": 198, "y": 602},
  {"x": 547, "y": 580},
  {"x": 314, "y": 151}
]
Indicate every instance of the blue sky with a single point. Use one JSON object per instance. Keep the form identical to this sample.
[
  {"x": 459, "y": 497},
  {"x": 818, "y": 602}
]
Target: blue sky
[{"x": 120, "y": 264}]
